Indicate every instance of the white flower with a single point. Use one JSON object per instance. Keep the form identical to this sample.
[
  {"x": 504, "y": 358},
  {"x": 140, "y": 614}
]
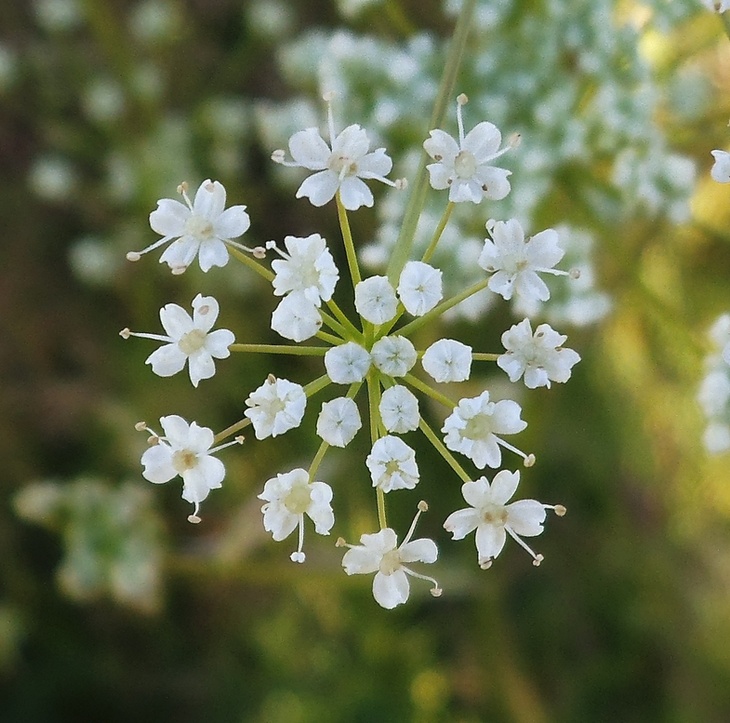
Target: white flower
[
  {"x": 288, "y": 498},
  {"x": 399, "y": 410},
  {"x": 339, "y": 168},
  {"x": 716, "y": 438},
  {"x": 276, "y": 407},
  {"x": 473, "y": 426},
  {"x": 714, "y": 393},
  {"x": 448, "y": 360},
  {"x": 201, "y": 228},
  {"x": 515, "y": 262},
  {"x": 306, "y": 266},
  {"x": 493, "y": 519},
  {"x": 720, "y": 335},
  {"x": 188, "y": 340},
  {"x": 296, "y": 317},
  {"x": 464, "y": 166},
  {"x": 394, "y": 355},
  {"x": 347, "y": 363},
  {"x": 721, "y": 168},
  {"x": 184, "y": 449},
  {"x": 375, "y": 299},
  {"x": 719, "y": 6},
  {"x": 392, "y": 464},
  {"x": 540, "y": 357},
  {"x": 339, "y": 421},
  {"x": 380, "y": 553},
  {"x": 419, "y": 287}
]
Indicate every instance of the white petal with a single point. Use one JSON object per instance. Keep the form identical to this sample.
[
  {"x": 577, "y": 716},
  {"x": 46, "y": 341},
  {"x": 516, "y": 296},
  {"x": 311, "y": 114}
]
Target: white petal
[
  {"x": 391, "y": 590},
  {"x": 157, "y": 463},
  {"x": 232, "y": 223},
  {"x": 217, "y": 343},
  {"x": 175, "y": 321},
  {"x": 167, "y": 360},
  {"x": 169, "y": 218},
  {"x": 421, "y": 550},
  {"x": 490, "y": 540},
  {"x": 200, "y": 366},
  {"x": 504, "y": 485},
  {"x": 210, "y": 199},
  {"x": 319, "y": 188},
  {"x": 212, "y": 252},
  {"x": 441, "y": 146},
  {"x": 462, "y": 522},
  {"x": 525, "y": 517},
  {"x": 354, "y": 193},
  {"x": 205, "y": 313},
  {"x": 482, "y": 141},
  {"x": 309, "y": 150},
  {"x": 374, "y": 165}
]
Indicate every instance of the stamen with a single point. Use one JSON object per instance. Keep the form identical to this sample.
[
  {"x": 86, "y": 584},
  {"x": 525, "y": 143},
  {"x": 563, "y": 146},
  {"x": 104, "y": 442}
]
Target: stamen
[
  {"x": 259, "y": 252},
  {"x": 141, "y": 426},
  {"x": 435, "y": 590},
  {"x": 126, "y": 333},
  {"x": 278, "y": 156},
  {"x": 340, "y": 542},
  {"x": 422, "y": 507},
  {"x": 236, "y": 440},
  {"x": 328, "y": 97},
  {"x": 240, "y": 246},
  {"x": 299, "y": 556},
  {"x": 559, "y": 510},
  {"x": 136, "y": 255},
  {"x": 182, "y": 189},
  {"x": 400, "y": 184},
  {"x": 574, "y": 273},
  {"x": 529, "y": 459},
  {"x": 536, "y": 559},
  {"x": 194, "y": 517},
  {"x": 514, "y": 140},
  {"x": 460, "y": 100}
]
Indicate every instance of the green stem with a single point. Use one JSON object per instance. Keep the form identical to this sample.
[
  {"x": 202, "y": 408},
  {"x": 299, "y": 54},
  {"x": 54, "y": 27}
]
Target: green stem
[
  {"x": 438, "y": 232},
  {"x": 317, "y": 460},
  {"x": 244, "y": 258},
  {"x": 417, "y": 198},
  {"x": 352, "y": 329},
  {"x": 317, "y": 385},
  {"x": 442, "y": 307},
  {"x": 228, "y": 431},
  {"x": 441, "y": 449},
  {"x": 480, "y": 356},
  {"x": 334, "y": 325},
  {"x": 429, "y": 391},
  {"x": 347, "y": 239},
  {"x": 373, "y": 405},
  {"x": 330, "y": 338},
  {"x": 281, "y": 349}
]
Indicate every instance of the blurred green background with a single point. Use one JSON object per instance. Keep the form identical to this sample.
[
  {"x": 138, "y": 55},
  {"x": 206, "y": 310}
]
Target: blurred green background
[{"x": 114, "y": 608}]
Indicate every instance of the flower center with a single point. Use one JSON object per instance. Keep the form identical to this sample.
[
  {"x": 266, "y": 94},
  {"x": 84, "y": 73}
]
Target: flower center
[
  {"x": 199, "y": 227},
  {"x": 465, "y": 164},
  {"x": 390, "y": 562},
  {"x": 392, "y": 466},
  {"x": 183, "y": 460},
  {"x": 478, "y": 427},
  {"x": 342, "y": 165},
  {"x": 494, "y": 515},
  {"x": 192, "y": 341},
  {"x": 298, "y": 499}
]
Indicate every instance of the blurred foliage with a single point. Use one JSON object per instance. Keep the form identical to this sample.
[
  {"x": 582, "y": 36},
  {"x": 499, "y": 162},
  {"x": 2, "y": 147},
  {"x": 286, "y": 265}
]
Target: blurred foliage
[{"x": 104, "y": 108}]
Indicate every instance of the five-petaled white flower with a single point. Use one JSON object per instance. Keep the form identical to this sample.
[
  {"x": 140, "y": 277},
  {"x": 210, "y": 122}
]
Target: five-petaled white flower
[
  {"x": 515, "y": 262},
  {"x": 464, "y": 166},
  {"x": 288, "y": 498},
  {"x": 296, "y": 317},
  {"x": 473, "y": 426},
  {"x": 184, "y": 449},
  {"x": 338, "y": 169},
  {"x": 339, "y": 421},
  {"x": 306, "y": 266},
  {"x": 392, "y": 464},
  {"x": 448, "y": 360},
  {"x": 202, "y": 228},
  {"x": 540, "y": 357},
  {"x": 276, "y": 407},
  {"x": 189, "y": 339},
  {"x": 720, "y": 170},
  {"x": 494, "y": 519},
  {"x": 380, "y": 553}
]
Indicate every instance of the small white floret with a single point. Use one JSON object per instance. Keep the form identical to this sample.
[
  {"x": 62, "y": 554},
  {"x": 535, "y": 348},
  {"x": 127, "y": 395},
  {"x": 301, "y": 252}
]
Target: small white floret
[
  {"x": 420, "y": 287},
  {"x": 276, "y": 407},
  {"x": 392, "y": 464},
  {"x": 375, "y": 300},
  {"x": 448, "y": 360},
  {"x": 394, "y": 355},
  {"x": 347, "y": 363},
  {"x": 339, "y": 421},
  {"x": 399, "y": 410}
]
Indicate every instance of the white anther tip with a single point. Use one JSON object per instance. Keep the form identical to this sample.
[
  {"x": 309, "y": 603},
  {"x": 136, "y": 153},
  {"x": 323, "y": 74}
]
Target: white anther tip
[
  {"x": 133, "y": 256},
  {"x": 462, "y": 99},
  {"x": 194, "y": 519}
]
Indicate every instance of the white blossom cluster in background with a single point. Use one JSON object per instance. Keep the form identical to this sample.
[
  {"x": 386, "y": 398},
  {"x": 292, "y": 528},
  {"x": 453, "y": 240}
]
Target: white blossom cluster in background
[
  {"x": 579, "y": 90},
  {"x": 374, "y": 374},
  {"x": 714, "y": 391}
]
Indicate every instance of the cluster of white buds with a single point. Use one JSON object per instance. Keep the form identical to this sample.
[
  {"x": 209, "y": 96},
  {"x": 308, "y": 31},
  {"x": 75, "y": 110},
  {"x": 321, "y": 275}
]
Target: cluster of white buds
[{"x": 374, "y": 353}]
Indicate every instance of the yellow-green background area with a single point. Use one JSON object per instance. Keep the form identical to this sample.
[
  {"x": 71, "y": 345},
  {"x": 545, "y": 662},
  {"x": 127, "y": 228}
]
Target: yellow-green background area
[{"x": 628, "y": 618}]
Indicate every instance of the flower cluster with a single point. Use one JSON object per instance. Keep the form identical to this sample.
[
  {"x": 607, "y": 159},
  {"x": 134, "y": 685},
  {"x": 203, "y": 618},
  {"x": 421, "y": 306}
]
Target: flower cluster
[
  {"x": 714, "y": 391},
  {"x": 371, "y": 361}
]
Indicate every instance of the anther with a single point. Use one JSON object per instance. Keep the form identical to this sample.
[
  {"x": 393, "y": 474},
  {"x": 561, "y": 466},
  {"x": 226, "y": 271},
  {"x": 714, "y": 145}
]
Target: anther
[
  {"x": 153, "y": 440},
  {"x": 140, "y": 426},
  {"x": 436, "y": 591},
  {"x": 514, "y": 140},
  {"x": 423, "y": 506},
  {"x": 329, "y": 96},
  {"x": 259, "y": 252},
  {"x": 125, "y": 333},
  {"x": 529, "y": 460},
  {"x": 298, "y": 557},
  {"x": 340, "y": 542},
  {"x": 486, "y": 563},
  {"x": 239, "y": 439},
  {"x": 194, "y": 519},
  {"x": 560, "y": 510},
  {"x": 574, "y": 273},
  {"x": 133, "y": 256},
  {"x": 271, "y": 379},
  {"x": 182, "y": 189},
  {"x": 401, "y": 184},
  {"x": 278, "y": 156},
  {"x": 462, "y": 99},
  {"x": 538, "y": 559}
]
